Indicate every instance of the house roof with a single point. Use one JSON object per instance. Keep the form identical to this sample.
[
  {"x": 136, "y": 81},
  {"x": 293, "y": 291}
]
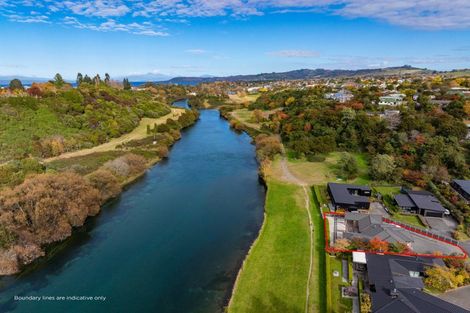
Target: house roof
[
  {"x": 391, "y": 274},
  {"x": 404, "y": 201},
  {"x": 420, "y": 199},
  {"x": 371, "y": 225},
  {"x": 342, "y": 193},
  {"x": 464, "y": 184}
]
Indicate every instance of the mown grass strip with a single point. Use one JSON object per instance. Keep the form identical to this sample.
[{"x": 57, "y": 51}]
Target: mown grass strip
[
  {"x": 274, "y": 275},
  {"x": 319, "y": 255}
]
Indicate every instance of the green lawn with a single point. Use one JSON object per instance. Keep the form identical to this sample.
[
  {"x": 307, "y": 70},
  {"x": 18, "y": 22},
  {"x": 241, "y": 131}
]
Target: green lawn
[
  {"x": 336, "y": 303},
  {"x": 319, "y": 277},
  {"x": 408, "y": 219},
  {"x": 274, "y": 275},
  {"x": 388, "y": 190}
]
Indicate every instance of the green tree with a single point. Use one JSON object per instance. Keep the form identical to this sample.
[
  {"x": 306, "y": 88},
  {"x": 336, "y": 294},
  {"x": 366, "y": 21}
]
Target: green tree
[
  {"x": 107, "y": 78},
  {"x": 87, "y": 79},
  {"x": 79, "y": 79},
  {"x": 58, "y": 80},
  {"x": 16, "y": 84},
  {"x": 382, "y": 167},
  {"x": 126, "y": 84},
  {"x": 347, "y": 164}
]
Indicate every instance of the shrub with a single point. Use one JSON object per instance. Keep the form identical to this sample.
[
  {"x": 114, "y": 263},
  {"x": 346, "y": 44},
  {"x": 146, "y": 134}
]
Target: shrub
[{"x": 106, "y": 183}]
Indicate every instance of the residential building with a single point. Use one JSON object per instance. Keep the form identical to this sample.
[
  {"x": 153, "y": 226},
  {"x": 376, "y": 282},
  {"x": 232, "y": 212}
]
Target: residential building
[
  {"x": 395, "y": 99},
  {"x": 462, "y": 187},
  {"x": 369, "y": 226},
  {"x": 420, "y": 202},
  {"x": 341, "y": 96},
  {"x": 349, "y": 197},
  {"x": 395, "y": 284}
]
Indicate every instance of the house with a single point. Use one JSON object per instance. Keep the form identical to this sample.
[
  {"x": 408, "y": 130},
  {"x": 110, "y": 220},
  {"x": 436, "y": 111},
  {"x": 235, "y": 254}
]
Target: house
[
  {"x": 369, "y": 226},
  {"x": 420, "y": 202},
  {"x": 340, "y": 96},
  {"x": 349, "y": 197},
  {"x": 396, "y": 285},
  {"x": 395, "y": 99},
  {"x": 462, "y": 187}
]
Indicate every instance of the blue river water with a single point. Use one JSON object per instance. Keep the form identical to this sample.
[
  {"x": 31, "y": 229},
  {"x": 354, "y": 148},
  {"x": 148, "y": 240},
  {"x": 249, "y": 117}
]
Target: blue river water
[{"x": 172, "y": 242}]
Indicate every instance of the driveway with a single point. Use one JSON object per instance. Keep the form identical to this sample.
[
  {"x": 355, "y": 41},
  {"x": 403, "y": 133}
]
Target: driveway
[
  {"x": 459, "y": 296},
  {"x": 378, "y": 208},
  {"x": 444, "y": 226}
]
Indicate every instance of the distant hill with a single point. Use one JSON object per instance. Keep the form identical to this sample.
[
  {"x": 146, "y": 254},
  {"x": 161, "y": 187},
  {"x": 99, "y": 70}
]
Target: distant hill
[
  {"x": 5, "y": 79},
  {"x": 303, "y": 74}
]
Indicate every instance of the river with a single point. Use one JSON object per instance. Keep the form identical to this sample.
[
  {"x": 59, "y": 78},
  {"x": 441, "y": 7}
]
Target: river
[{"x": 172, "y": 242}]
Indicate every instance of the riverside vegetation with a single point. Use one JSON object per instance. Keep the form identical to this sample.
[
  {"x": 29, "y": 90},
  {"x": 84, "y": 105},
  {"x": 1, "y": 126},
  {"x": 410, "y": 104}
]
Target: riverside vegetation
[{"x": 42, "y": 201}]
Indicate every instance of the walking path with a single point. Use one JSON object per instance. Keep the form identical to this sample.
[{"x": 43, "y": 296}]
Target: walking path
[
  {"x": 139, "y": 132},
  {"x": 290, "y": 177}
]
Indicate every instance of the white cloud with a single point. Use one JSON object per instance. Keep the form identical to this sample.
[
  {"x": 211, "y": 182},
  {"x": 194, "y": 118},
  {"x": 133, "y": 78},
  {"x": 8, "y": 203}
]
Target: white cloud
[
  {"x": 294, "y": 53},
  {"x": 28, "y": 18},
  {"x": 423, "y": 14},
  {"x": 427, "y": 14},
  {"x": 196, "y": 51},
  {"x": 101, "y": 8},
  {"x": 111, "y": 26}
]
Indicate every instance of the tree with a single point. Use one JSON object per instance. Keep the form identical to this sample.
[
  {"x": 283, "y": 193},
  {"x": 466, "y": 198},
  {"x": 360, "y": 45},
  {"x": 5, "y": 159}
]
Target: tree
[
  {"x": 97, "y": 79},
  {"x": 347, "y": 164},
  {"x": 58, "y": 80},
  {"x": 87, "y": 79},
  {"x": 107, "y": 78},
  {"x": 382, "y": 167},
  {"x": 126, "y": 84},
  {"x": 443, "y": 278},
  {"x": 366, "y": 304},
  {"x": 376, "y": 244},
  {"x": 16, "y": 84},
  {"x": 342, "y": 244},
  {"x": 106, "y": 183},
  {"x": 79, "y": 79}
]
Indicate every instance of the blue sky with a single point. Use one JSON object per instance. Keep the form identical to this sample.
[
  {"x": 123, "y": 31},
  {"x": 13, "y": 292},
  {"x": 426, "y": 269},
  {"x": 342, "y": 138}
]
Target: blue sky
[{"x": 224, "y": 37}]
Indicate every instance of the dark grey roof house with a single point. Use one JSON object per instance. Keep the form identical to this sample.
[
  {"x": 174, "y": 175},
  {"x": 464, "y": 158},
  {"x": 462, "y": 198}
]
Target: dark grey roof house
[
  {"x": 349, "y": 197},
  {"x": 420, "y": 202},
  {"x": 368, "y": 226},
  {"x": 462, "y": 187},
  {"x": 396, "y": 284}
]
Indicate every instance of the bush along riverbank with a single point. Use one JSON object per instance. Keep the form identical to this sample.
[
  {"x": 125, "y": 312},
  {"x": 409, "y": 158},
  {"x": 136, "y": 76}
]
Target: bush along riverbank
[{"x": 59, "y": 196}]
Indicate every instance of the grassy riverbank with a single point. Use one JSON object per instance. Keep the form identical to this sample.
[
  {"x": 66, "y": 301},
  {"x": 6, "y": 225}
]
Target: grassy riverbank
[{"x": 274, "y": 275}]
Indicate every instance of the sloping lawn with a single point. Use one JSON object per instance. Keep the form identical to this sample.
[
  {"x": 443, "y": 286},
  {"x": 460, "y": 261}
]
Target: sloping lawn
[{"x": 274, "y": 275}]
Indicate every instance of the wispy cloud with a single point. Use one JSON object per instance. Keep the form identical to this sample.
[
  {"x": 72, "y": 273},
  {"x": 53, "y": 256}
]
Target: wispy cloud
[
  {"x": 422, "y": 14},
  {"x": 196, "y": 51},
  {"x": 112, "y": 26},
  {"x": 294, "y": 53}
]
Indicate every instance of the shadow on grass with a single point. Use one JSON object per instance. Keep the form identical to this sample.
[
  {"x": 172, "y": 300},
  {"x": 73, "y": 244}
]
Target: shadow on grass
[{"x": 271, "y": 304}]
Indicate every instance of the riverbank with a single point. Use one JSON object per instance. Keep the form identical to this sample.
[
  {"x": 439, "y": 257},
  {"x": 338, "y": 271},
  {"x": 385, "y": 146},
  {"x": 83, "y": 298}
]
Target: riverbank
[
  {"x": 107, "y": 175},
  {"x": 172, "y": 242}
]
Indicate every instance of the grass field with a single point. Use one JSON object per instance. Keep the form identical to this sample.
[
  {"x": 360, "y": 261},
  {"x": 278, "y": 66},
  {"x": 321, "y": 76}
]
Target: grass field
[
  {"x": 319, "y": 294},
  {"x": 139, "y": 132},
  {"x": 246, "y": 117},
  {"x": 320, "y": 173},
  {"x": 335, "y": 302},
  {"x": 388, "y": 190},
  {"x": 238, "y": 99},
  {"x": 274, "y": 275},
  {"x": 408, "y": 219}
]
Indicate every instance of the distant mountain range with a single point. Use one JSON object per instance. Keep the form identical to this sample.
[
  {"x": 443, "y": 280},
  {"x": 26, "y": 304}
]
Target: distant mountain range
[
  {"x": 303, "y": 74},
  {"x": 290, "y": 75}
]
